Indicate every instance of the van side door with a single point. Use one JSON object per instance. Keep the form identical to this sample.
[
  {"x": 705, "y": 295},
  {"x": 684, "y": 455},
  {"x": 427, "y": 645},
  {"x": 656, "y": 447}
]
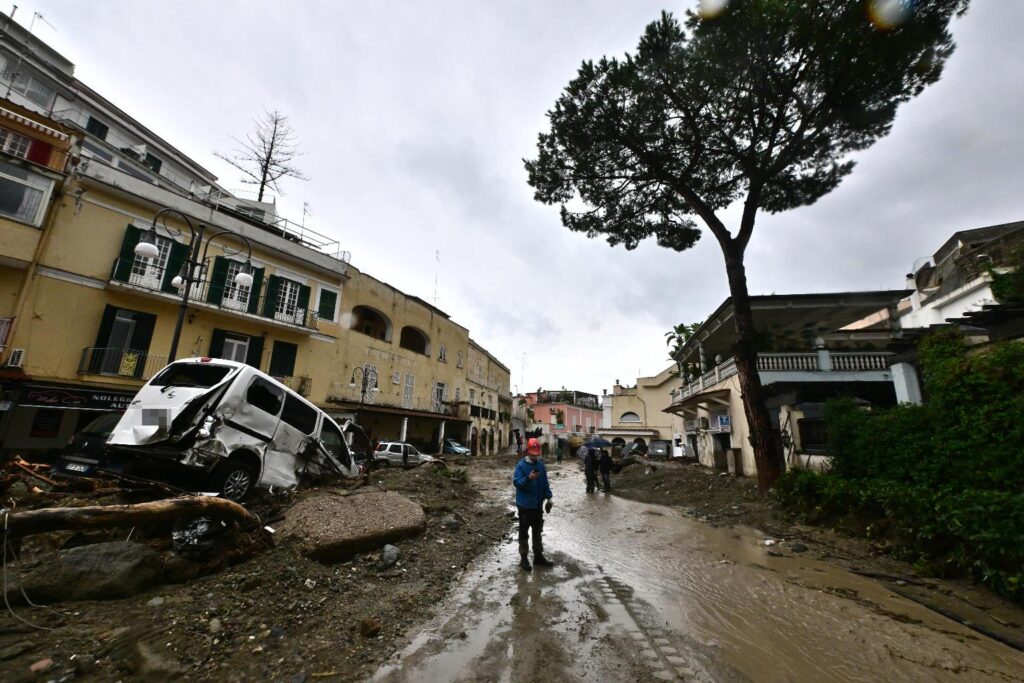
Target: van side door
[
  {"x": 252, "y": 423},
  {"x": 294, "y": 434}
]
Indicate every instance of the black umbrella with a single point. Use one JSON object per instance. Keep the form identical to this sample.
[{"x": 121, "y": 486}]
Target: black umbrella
[{"x": 598, "y": 442}]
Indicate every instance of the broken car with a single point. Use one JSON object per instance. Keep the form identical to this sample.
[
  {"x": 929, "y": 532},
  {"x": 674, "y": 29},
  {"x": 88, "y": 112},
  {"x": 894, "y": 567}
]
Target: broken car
[{"x": 229, "y": 425}]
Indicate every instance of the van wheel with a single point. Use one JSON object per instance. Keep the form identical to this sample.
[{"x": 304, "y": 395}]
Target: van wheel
[{"x": 233, "y": 480}]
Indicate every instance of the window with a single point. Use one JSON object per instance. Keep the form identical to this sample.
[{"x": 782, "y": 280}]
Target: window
[
  {"x": 409, "y": 389},
  {"x": 235, "y": 296},
  {"x": 28, "y": 84},
  {"x": 443, "y": 354},
  {"x": 122, "y": 343},
  {"x": 236, "y": 348},
  {"x": 440, "y": 394},
  {"x": 14, "y": 144},
  {"x": 371, "y": 322},
  {"x": 149, "y": 272},
  {"x": 299, "y": 414},
  {"x": 327, "y": 306},
  {"x": 630, "y": 417},
  {"x": 191, "y": 375},
  {"x": 414, "y": 339},
  {"x": 265, "y": 396},
  {"x": 472, "y": 395},
  {"x": 153, "y": 162},
  {"x": 332, "y": 440},
  {"x": 287, "y": 300},
  {"x": 282, "y": 359},
  {"x": 458, "y": 359},
  {"x": 97, "y": 128},
  {"x": 458, "y": 394},
  {"x": 395, "y": 448},
  {"x": 23, "y": 194}
]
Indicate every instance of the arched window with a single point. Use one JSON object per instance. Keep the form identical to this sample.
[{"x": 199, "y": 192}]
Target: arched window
[
  {"x": 414, "y": 339},
  {"x": 372, "y": 322},
  {"x": 629, "y": 417}
]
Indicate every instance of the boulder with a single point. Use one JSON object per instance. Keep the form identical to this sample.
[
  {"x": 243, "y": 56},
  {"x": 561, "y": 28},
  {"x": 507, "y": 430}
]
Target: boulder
[
  {"x": 102, "y": 571},
  {"x": 333, "y": 528}
]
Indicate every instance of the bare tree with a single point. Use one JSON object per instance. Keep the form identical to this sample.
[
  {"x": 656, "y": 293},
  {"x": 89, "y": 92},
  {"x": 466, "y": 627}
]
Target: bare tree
[{"x": 266, "y": 155}]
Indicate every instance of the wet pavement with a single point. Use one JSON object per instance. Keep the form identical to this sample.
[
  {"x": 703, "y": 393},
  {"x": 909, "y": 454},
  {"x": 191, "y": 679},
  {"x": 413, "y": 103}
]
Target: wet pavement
[{"x": 641, "y": 592}]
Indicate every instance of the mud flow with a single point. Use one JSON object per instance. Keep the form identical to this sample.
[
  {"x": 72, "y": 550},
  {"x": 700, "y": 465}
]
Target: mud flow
[{"x": 641, "y": 592}]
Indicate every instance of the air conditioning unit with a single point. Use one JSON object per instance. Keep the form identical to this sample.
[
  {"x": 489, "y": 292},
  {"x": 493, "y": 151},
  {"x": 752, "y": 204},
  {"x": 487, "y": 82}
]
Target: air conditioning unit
[
  {"x": 702, "y": 423},
  {"x": 16, "y": 358}
]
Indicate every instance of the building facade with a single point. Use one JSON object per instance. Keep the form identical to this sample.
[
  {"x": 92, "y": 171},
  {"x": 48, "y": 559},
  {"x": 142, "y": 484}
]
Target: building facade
[
  {"x": 564, "y": 414},
  {"x": 637, "y": 414},
  {"x": 85, "y": 320}
]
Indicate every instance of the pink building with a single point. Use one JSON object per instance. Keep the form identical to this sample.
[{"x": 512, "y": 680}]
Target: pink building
[{"x": 562, "y": 413}]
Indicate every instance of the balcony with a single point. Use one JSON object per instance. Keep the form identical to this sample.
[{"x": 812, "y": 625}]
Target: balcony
[
  {"x": 286, "y": 307},
  {"x": 139, "y": 365},
  {"x": 341, "y": 393},
  {"x": 816, "y": 366}
]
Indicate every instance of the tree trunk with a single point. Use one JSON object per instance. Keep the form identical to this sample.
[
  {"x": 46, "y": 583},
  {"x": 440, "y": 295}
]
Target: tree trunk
[
  {"x": 767, "y": 448},
  {"x": 105, "y": 516}
]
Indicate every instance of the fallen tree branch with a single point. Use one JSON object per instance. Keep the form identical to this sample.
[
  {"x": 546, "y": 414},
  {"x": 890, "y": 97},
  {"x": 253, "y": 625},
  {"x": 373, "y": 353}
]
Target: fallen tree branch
[
  {"x": 30, "y": 522},
  {"x": 20, "y": 464}
]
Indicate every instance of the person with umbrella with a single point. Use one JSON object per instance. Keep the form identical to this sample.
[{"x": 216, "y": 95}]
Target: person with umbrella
[{"x": 590, "y": 461}]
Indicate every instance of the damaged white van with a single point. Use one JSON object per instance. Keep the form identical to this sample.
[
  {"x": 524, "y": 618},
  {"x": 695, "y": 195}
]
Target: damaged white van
[{"x": 228, "y": 425}]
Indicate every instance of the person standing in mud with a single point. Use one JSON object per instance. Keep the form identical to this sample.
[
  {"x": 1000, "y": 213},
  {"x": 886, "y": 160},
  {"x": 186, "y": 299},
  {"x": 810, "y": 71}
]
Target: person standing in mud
[
  {"x": 590, "y": 469},
  {"x": 605, "y": 465},
  {"x": 533, "y": 498}
]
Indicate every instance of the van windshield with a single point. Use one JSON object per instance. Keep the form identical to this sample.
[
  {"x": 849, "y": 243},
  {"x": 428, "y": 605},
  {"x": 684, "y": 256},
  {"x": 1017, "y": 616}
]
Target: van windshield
[{"x": 191, "y": 375}]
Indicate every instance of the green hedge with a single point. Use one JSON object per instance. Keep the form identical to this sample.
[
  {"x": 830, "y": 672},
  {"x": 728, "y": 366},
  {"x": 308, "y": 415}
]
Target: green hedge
[{"x": 945, "y": 480}]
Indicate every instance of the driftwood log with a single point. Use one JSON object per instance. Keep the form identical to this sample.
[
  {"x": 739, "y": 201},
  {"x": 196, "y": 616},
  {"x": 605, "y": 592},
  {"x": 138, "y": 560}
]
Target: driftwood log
[{"x": 20, "y": 524}]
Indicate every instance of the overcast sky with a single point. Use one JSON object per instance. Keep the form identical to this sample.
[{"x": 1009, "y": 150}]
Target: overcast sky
[{"x": 415, "y": 117}]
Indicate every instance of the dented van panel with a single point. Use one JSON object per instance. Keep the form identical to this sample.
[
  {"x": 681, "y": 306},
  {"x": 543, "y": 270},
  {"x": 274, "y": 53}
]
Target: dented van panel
[{"x": 201, "y": 413}]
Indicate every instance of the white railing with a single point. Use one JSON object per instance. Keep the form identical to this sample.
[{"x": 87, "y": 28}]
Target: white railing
[
  {"x": 817, "y": 362},
  {"x": 787, "y": 361},
  {"x": 872, "y": 360}
]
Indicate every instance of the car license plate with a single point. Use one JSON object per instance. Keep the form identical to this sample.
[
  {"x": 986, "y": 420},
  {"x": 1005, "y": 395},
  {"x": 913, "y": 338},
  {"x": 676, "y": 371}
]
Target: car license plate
[{"x": 76, "y": 467}]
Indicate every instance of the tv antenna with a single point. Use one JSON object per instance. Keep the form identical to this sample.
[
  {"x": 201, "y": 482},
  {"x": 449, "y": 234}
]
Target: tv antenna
[
  {"x": 437, "y": 258},
  {"x": 37, "y": 15}
]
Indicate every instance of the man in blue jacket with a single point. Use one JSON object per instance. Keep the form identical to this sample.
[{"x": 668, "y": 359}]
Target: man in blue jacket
[{"x": 532, "y": 490}]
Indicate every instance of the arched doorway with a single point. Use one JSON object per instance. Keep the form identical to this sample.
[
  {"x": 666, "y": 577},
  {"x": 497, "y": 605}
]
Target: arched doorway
[
  {"x": 473, "y": 442},
  {"x": 490, "y": 442},
  {"x": 639, "y": 445}
]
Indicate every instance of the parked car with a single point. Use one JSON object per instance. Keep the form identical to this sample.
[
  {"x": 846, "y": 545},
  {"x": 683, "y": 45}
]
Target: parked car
[
  {"x": 453, "y": 447},
  {"x": 86, "y": 450},
  {"x": 401, "y": 454},
  {"x": 229, "y": 427}
]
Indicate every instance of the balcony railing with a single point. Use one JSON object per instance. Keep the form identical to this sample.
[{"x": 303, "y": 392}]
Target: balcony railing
[
  {"x": 817, "y": 362},
  {"x": 232, "y": 298},
  {"x": 341, "y": 393},
  {"x": 300, "y": 385},
  {"x": 139, "y": 365}
]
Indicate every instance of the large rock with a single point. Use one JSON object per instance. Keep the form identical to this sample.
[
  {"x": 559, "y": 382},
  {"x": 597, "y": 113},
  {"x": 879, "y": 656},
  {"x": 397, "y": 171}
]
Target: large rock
[
  {"x": 332, "y": 527},
  {"x": 102, "y": 571}
]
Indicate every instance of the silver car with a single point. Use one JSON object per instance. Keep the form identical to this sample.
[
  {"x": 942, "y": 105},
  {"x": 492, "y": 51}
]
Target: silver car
[{"x": 399, "y": 454}]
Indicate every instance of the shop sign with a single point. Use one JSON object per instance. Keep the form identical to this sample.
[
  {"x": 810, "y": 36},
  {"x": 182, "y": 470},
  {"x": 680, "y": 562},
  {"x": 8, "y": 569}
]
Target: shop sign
[
  {"x": 724, "y": 423},
  {"x": 75, "y": 399}
]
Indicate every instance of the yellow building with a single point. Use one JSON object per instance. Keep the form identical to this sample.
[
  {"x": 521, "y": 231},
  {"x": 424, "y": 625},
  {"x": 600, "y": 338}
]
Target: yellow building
[
  {"x": 489, "y": 400},
  {"x": 636, "y": 413}
]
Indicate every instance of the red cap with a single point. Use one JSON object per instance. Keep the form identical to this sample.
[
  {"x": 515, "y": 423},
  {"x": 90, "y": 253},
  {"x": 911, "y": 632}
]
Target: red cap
[{"x": 533, "y": 447}]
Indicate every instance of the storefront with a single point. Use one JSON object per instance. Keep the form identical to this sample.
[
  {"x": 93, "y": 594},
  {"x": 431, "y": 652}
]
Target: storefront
[{"x": 37, "y": 420}]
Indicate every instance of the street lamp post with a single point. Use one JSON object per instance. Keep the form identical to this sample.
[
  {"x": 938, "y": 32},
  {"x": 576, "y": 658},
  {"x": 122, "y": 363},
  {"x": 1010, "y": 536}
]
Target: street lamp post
[{"x": 184, "y": 280}]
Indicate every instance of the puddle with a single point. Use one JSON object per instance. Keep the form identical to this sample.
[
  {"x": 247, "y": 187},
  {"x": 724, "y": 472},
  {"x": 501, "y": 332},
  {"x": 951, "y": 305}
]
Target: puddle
[{"x": 641, "y": 592}]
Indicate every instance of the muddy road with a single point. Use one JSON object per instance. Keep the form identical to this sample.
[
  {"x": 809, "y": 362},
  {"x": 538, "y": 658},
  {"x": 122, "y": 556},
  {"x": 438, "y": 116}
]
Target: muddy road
[{"x": 641, "y": 592}]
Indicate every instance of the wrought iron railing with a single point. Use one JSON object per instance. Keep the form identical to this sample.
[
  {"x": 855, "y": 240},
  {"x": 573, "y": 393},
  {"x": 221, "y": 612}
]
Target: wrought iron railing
[
  {"x": 120, "y": 363},
  {"x": 231, "y": 297}
]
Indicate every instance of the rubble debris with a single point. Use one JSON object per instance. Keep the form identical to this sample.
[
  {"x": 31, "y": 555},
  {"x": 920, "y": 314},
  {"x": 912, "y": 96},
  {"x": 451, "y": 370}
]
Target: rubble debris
[
  {"x": 451, "y": 522},
  {"x": 83, "y": 664},
  {"x": 102, "y": 571},
  {"x": 152, "y": 665},
  {"x": 196, "y": 537},
  {"x": 42, "y": 666},
  {"x": 333, "y": 528},
  {"x": 388, "y": 556},
  {"x": 369, "y": 627}
]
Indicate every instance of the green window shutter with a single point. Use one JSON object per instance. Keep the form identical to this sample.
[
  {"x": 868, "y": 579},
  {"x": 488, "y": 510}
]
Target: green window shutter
[
  {"x": 254, "y": 354},
  {"x": 218, "y": 276},
  {"x": 282, "y": 359},
  {"x": 216, "y": 343},
  {"x": 102, "y": 339},
  {"x": 123, "y": 265},
  {"x": 328, "y": 300},
  {"x": 302, "y": 304},
  {"x": 254, "y": 293},
  {"x": 179, "y": 252},
  {"x": 270, "y": 300},
  {"x": 144, "y": 324}
]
